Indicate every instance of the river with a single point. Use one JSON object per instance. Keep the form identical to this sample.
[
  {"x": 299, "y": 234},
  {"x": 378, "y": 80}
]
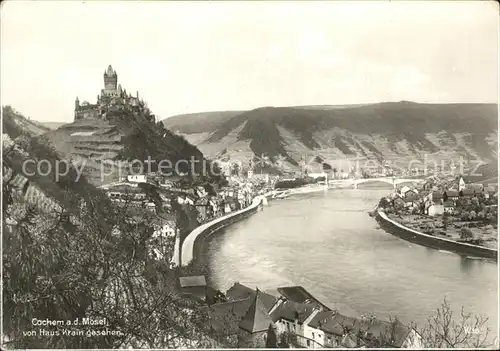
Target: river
[{"x": 327, "y": 243}]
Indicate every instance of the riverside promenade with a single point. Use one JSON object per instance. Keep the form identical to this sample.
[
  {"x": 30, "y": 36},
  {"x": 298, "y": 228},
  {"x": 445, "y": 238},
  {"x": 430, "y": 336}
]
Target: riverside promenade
[
  {"x": 435, "y": 242},
  {"x": 187, "y": 250}
]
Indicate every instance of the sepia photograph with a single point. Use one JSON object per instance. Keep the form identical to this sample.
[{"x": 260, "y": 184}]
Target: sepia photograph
[{"x": 249, "y": 174}]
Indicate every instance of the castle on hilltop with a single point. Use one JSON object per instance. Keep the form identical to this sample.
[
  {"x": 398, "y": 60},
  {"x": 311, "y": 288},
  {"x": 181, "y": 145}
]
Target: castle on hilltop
[{"x": 112, "y": 98}]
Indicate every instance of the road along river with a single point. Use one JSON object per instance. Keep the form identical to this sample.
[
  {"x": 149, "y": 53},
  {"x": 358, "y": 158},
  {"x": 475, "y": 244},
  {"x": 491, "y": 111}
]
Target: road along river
[{"x": 327, "y": 243}]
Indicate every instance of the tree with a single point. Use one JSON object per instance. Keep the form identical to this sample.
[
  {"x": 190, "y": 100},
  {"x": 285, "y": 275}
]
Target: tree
[
  {"x": 472, "y": 215},
  {"x": 444, "y": 330},
  {"x": 481, "y": 215},
  {"x": 272, "y": 339},
  {"x": 489, "y": 216},
  {"x": 384, "y": 202},
  {"x": 466, "y": 234},
  {"x": 236, "y": 169},
  {"x": 286, "y": 339},
  {"x": 96, "y": 265},
  {"x": 446, "y": 220}
]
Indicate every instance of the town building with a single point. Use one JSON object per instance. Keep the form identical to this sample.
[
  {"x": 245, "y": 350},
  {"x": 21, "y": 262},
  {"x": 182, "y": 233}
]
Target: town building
[
  {"x": 194, "y": 286},
  {"x": 490, "y": 190},
  {"x": 185, "y": 200},
  {"x": 398, "y": 202},
  {"x": 460, "y": 183},
  {"x": 468, "y": 192},
  {"x": 437, "y": 197},
  {"x": 404, "y": 190},
  {"x": 452, "y": 195},
  {"x": 203, "y": 209},
  {"x": 411, "y": 192},
  {"x": 449, "y": 207},
  {"x": 255, "y": 325},
  {"x": 226, "y": 318},
  {"x": 432, "y": 209},
  {"x": 250, "y": 315},
  {"x": 332, "y": 329},
  {"x": 410, "y": 200}
]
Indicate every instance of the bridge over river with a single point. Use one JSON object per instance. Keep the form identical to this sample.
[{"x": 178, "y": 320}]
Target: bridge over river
[{"x": 388, "y": 180}]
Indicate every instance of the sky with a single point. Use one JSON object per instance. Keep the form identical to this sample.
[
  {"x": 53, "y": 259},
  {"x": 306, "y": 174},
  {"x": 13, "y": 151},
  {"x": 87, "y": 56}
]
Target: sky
[{"x": 187, "y": 57}]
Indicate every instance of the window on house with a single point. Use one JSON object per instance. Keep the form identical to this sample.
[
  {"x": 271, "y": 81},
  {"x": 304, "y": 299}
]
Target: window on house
[
  {"x": 308, "y": 343},
  {"x": 329, "y": 340},
  {"x": 313, "y": 335}
]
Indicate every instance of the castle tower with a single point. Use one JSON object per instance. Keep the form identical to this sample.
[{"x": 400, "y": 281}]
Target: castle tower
[
  {"x": 255, "y": 325},
  {"x": 77, "y": 107},
  {"x": 110, "y": 79}
]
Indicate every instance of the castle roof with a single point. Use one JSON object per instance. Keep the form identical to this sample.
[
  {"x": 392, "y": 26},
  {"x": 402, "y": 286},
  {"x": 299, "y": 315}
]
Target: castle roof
[{"x": 110, "y": 72}]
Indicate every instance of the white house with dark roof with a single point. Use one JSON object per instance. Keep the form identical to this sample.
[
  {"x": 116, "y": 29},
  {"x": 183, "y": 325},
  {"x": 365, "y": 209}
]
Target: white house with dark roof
[
  {"x": 291, "y": 317},
  {"x": 403, "y": 190},
  {"x": 331, "y": 329}
]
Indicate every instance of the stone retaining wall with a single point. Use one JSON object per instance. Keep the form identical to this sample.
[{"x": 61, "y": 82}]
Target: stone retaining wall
[{"x": 435, "y": 242}]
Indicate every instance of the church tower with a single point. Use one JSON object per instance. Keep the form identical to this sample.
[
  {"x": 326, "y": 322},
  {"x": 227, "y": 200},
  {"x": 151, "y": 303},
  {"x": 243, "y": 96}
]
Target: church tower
[
  {"x": 253, "y": 328},
  {"x": 110, "y": 79}
]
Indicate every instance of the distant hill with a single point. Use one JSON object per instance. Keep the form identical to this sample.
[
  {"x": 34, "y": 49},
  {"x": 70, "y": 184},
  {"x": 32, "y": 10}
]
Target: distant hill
[
  {"x": 198, "y": 122},
  {"x": 394, "y": 131},
  {"x": 14, "y": 123}
]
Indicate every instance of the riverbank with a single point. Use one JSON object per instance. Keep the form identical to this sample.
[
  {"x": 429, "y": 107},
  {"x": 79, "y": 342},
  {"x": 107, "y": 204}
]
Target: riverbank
[
  {"x": 395, "y": 228},
  {"x": 193, "y": 247},
  {"x": 294, "y": 241}
]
